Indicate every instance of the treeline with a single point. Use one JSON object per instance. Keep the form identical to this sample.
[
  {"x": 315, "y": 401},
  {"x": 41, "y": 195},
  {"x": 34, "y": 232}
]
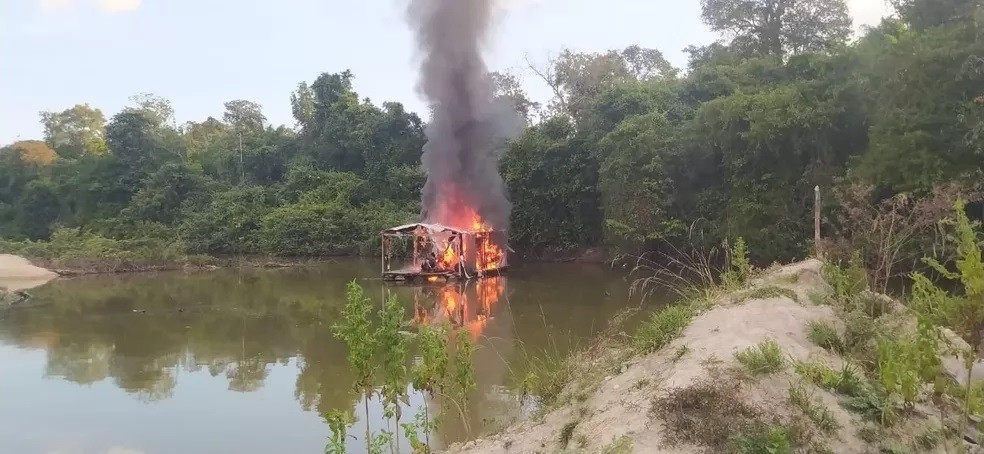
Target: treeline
[{"x": 630, "y": 152}]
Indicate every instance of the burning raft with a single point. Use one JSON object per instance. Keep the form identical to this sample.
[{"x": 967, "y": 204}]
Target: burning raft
[{"x": 434, "y": 253}]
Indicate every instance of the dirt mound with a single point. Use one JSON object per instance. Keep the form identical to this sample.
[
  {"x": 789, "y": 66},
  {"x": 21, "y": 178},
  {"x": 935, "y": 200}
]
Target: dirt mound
[{"x": 673, "y": 400}]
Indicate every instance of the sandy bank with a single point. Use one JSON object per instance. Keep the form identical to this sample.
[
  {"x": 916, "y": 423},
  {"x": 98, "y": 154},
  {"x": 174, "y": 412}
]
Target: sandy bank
[
  {"x": 640, "y": 403},
  {"x": 17, "y": 273}
]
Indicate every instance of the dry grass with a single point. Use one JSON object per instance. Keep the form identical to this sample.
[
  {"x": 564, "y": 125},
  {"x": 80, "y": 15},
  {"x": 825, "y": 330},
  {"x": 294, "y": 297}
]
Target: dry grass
[{"x": 705, "y": 414}]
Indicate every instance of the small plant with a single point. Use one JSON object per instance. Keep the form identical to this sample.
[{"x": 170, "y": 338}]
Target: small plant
[
  {"x": 764, "y": 439},
  {"x": 393, "y": 349},
  {"x": 859, "y": 329},
  {"x": 355, "y": 330},
  {"x": 338, "y": 423},
  {"x": 566, "y": 433},
  {"x": 825, "y": 336},
  {"x": 663, "y": 327},
  {"x": 963, "y": 313},
  {"x": 623, "y": 445},
  {"x": 765, "y": 358},
  {"x": 739, "y": 267},
  {"x": 817, "y": 412},
  {"x": 428, "y": 376},
  {"x": 930, "y": 439},
  {"x": 680, "y": 352},
  {"x": 847, "y": 282},
  {"x": 870, "y": 433},
  {"x": 846, "y": 381}
]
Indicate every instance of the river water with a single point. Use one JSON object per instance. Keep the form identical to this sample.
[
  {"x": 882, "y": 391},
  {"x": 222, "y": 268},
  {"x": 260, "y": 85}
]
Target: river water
[{"x": 244, "y": 361}]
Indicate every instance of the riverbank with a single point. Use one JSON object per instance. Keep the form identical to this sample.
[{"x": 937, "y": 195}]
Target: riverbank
[
  {"x": 750, "y": 371},
  {"x": 86, "y": 266},
  {"x": 18, "y": 274}
]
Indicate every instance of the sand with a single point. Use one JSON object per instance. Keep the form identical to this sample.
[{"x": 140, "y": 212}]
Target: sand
[{"x": 17, "y": 273}]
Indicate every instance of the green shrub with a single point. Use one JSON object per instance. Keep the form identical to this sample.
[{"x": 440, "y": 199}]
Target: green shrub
[{"x": 847, "y": 282}]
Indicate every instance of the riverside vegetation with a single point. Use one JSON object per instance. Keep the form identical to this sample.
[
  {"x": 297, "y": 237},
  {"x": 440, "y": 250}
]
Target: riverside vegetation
[
  {"x": 630, "y": 152},
  {"x": 378, "y": 349},
  {"x": 901, "y": 375}
]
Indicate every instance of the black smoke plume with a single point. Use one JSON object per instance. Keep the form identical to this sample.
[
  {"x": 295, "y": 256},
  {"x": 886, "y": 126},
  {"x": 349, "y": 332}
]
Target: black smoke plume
[{"x": 469, "y": 126}]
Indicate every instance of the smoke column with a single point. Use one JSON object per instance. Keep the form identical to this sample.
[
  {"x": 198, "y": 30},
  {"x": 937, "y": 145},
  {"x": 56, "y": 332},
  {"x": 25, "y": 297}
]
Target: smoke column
[{"x": 468, "y": 127}]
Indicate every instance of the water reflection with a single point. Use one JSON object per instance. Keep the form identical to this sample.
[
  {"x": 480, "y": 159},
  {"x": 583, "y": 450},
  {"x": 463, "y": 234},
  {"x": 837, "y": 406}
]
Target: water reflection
[{"x": 251, "y": 353}]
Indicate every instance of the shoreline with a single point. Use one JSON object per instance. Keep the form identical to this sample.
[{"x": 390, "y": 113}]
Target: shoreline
[{"x": 17, "y": 275}]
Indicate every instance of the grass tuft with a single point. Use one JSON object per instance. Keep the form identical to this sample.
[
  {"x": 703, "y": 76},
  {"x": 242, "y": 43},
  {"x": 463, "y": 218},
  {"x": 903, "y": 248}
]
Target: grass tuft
[
  {"x": 623, "y": 445},
  {"x": 765, "y": 358},
  {"x": 662, "y": 328},
  {"x": 566, "y": 433},
  {"x": 817, "y": 412},
  {"x": 825, "y": 336}
]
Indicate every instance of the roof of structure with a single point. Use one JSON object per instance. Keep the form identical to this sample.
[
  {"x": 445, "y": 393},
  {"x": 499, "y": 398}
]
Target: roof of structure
[{"x": 431, "y": 227}]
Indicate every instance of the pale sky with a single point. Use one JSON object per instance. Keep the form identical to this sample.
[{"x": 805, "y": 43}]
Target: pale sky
[{"x": 202, "y": 53}]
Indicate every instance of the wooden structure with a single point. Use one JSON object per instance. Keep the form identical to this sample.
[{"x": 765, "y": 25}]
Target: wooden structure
[{"x": 439, "y": 253}]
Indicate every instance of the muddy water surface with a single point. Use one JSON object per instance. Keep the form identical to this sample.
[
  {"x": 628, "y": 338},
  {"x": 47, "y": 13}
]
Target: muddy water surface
[{"x": 244, "y": 360}]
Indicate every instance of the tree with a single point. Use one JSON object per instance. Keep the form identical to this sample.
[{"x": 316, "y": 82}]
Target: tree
[
  {"x": 302, "y": 105},
  {"x": 552, "y": 181},
  {"x": 133, "y": 138},
  {"x": 34, "y": 152},
  {"x": 37, "y": 209},
  {"x": 203, "y": 136},
  {"x": 779, "y": 27},
  {"x": 75, "y": 132},
  {"x": 155, "y": 108},
  {"x": 507, "y": 86},
  {"x": 926, "y": 121},
  {"x": 245, "y": 117},
  {"x": 577, "y": 78},
  {"x": 923, "y": 14}
]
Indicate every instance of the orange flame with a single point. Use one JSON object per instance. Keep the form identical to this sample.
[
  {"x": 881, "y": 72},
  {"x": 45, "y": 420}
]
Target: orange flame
[{"x": 455, "y": 211}]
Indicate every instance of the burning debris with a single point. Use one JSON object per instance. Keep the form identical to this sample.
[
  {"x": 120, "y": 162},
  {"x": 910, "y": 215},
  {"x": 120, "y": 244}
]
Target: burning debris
[
  {"x": 434, "y": 252},
  {"x": 465, "y": 213}
]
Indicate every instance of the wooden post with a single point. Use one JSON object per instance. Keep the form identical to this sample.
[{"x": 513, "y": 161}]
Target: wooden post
[{"x": 816, "y": 222}]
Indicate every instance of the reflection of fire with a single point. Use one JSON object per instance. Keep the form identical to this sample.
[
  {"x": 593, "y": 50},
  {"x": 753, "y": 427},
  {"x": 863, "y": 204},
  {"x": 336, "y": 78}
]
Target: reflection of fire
[{"x": 453, "y": 303}]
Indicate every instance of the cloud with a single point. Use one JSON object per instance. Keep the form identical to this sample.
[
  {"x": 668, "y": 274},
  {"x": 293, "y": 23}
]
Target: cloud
[
  {"x": 56, "y": 6},
  {"x": 868, "y": 12},
  {"x": 118, "y": 6}
]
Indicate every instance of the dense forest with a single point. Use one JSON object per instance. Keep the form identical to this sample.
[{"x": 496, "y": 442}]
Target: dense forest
[{"x": 630, "y": 153}]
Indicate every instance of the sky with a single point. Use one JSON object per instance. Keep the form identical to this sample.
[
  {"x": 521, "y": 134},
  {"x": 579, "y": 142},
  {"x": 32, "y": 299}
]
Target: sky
[{"x": 201, "y": 53}]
